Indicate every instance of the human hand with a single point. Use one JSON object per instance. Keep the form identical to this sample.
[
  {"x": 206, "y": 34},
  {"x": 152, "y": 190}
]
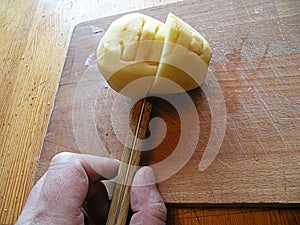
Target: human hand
[{"x": 73, "y": 179}]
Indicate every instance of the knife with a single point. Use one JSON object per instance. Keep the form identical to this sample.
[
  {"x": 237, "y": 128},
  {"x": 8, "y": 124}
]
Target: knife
[{"x": 130, "y": 161}]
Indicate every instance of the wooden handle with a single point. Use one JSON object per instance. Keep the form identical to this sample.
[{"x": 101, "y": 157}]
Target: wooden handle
[{"x": 130, "y": 160}]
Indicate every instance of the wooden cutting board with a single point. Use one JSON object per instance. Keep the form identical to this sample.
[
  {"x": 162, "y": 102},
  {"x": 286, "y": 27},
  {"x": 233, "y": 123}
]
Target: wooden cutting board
[{"x": 251, "y": 97}]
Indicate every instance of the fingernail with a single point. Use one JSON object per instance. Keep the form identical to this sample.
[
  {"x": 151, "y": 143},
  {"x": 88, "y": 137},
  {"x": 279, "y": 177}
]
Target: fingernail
[{"x": 148, "y": 175}]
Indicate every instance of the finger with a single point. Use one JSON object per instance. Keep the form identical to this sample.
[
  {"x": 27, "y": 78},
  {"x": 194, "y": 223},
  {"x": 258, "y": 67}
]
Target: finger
[
  {"x": 97, "y": 203},
  {"x": 146, "y": 203},
  {"x": 66, "y": 185},
  {"x": 99, "y": 167}
]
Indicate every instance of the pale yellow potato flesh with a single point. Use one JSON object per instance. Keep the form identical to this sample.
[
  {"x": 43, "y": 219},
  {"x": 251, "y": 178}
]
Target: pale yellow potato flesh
[
  {"x": 127, "y": 53},
  {"x": 184, "y": 59},
  {"x": 140, "y": 55}
]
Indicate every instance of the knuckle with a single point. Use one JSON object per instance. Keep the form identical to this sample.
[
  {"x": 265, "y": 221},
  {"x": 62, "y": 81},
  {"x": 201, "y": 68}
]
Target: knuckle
[
  {"x": 159, "y": 210},
  {"x": 63, "y": 158}
]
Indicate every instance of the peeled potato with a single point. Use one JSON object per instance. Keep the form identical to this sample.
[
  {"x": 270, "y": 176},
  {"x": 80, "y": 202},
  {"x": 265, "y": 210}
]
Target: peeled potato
[{"x": 140, "y": 55}]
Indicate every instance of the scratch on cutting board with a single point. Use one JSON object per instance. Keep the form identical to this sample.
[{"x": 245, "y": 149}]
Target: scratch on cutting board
[
  {"x": 283, "y": 165},
  {"x": 246, "y": 107},
  {"x": 88, "y": 96},
  {"x": 223, "y": 176},
  {"x": 279, "y": 23},
  {"x": 271, "y": 118},
  {"x": 225, "y": 164},
  {"x": 294, "y": 111}
]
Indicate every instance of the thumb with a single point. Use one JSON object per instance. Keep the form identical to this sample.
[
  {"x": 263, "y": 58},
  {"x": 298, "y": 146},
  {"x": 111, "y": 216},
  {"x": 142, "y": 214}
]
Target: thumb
[{"x": 146, "y": 203}]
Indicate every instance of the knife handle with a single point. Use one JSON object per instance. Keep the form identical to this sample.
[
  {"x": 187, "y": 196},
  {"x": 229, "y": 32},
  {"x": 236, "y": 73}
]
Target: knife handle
[{"x": 129, "y": 163}]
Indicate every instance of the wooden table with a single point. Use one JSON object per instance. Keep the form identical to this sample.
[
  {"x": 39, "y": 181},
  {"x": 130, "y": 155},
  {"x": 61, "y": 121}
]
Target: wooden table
[{"x": 34, "y": 40}]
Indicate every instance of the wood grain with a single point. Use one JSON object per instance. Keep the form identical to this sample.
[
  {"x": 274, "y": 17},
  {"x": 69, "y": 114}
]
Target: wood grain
[{"x": 35, "y": 38}]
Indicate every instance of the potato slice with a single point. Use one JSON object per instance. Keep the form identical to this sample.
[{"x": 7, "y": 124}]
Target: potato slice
[
  {"x": 130, "y": 50},
  {"x": 184, "y": 59}
]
